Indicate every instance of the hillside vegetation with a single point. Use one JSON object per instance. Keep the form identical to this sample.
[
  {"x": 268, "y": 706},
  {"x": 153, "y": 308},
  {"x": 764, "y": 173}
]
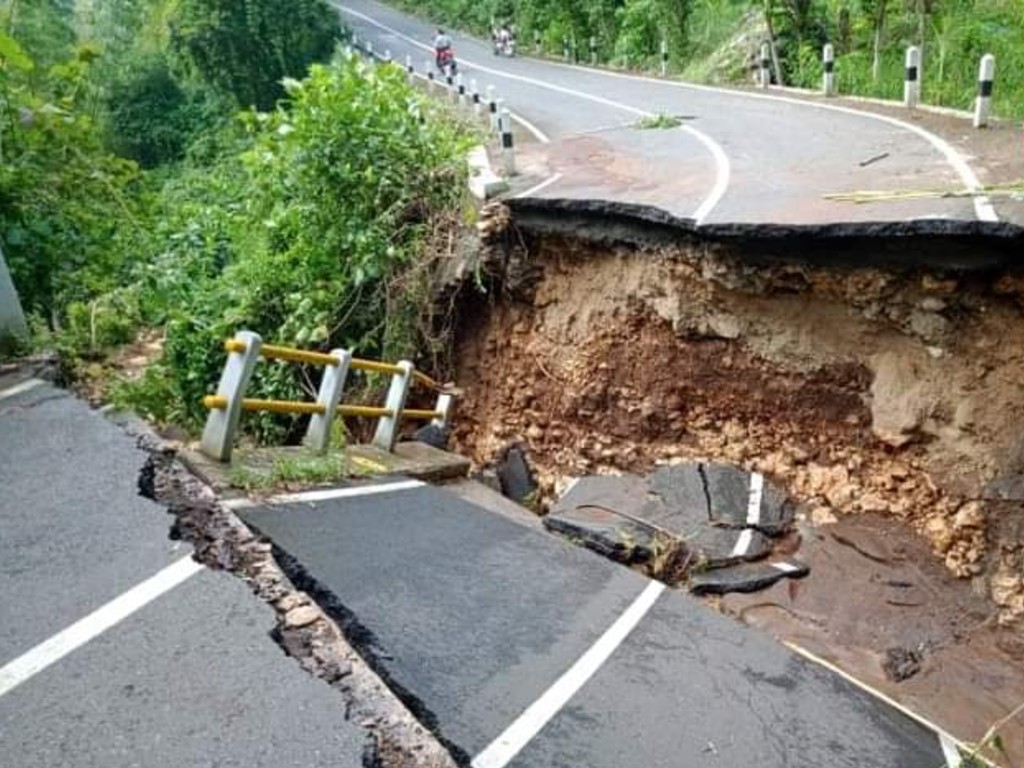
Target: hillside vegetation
[
  {"x": 870, "y": 38},
  {"x": 198, "y": 166}
]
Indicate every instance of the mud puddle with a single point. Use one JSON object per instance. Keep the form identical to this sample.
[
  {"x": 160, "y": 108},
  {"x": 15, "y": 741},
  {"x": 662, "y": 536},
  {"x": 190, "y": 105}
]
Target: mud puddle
[{"x": 882, "y": 394}]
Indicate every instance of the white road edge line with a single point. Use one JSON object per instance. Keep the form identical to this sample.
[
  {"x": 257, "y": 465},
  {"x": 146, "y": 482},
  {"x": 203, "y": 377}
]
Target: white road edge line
[
  {"x": 543, "y": 185},
  {"x": 323, "y": 495},
  {"x": 523, "y": 729},
  {"x": 785, "y": 567},
  {"x": 950, "y": 751},
  {"x": 743, "y": 542},
  {"x": 723, "y": 168},
  {"x": 946, "y": 740},
  {"x": 983, "y": 209},
  {"x": 50, "y": 651},
  {"x": 754, "y": 500},
  {"x": 20, "y": 387}
]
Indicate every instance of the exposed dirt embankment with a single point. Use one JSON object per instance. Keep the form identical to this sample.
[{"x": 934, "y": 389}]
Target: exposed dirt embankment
[{"x": 876, "y": 389}]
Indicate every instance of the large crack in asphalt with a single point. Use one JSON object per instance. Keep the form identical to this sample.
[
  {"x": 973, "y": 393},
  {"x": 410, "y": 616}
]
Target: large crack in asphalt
[{"x": 312, "y": 627}]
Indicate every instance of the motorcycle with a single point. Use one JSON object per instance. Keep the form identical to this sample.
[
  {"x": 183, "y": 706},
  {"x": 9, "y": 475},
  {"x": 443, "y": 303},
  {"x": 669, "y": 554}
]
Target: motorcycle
[
  {"x": 446, "y": 61},
  {"x": 504, "y": 46}
]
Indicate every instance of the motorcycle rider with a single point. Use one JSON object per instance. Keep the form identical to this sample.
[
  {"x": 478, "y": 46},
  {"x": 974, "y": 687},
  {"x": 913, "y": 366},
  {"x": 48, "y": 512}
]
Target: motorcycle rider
[{"x": 442, "y": 43}]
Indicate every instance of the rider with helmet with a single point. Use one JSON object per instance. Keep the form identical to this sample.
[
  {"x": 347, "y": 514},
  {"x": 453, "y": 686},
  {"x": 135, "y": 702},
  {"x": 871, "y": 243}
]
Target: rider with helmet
[{"x": 442, "y": 45}]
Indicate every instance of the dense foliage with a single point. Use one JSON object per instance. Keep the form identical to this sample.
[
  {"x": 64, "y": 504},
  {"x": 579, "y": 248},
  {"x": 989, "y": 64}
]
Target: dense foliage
[
  {"x": 178, "y": 165},
  {"x": 870, "y": 37}
]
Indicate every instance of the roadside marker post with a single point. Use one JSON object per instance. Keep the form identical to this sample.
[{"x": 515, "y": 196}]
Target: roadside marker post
[
  {"x": 492, "y": 108},
  {"x": 461, "y": 85},
  {"x": 912, "y": 78},
  {"x": 387, "y": 426},
  {"x": 430, "y": 76},
  {"x": 369, "y": 50},
  {"x": 766, "y": 72},
  {"x": 318, "y": 434},
  {"x": 475, "y": 90},
  {"x": 444, "y": 409},
  {"x": 499, "y": 108},
  {"x": 507, "y": 150},
  {"x": 410, "y": 73},
  {"x": 536, "y": 41},
  {"x": 222, "y": 424},
  {"x": 565, "y": 48},
  {"x": 593, "y": 51},
  {"x": 828, "y": 60},
  {"x": 387, "y": 56},
  {"x": 664, "y": 57},
  {"x": 986, "y": 80}
]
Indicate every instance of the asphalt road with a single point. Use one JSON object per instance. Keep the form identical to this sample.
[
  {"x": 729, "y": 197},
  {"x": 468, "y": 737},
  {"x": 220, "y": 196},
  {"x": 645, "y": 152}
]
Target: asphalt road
[
  {"x": 739, "y": 156},
  {"x": 189, "y": 679},
  {"x": 497, "y": 635}
]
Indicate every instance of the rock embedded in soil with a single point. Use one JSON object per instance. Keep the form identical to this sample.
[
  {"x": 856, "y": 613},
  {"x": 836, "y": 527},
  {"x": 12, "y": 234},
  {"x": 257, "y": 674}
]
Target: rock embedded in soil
[{"x": 515, "y": 475}]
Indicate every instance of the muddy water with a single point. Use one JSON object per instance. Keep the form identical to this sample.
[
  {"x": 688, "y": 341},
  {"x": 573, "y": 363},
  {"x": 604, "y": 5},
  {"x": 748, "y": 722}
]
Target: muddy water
[{"x": 885, "y": 401}]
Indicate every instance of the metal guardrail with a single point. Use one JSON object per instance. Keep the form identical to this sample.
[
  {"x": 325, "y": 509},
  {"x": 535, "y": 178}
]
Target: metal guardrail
[{"x": 247, "y": 348}]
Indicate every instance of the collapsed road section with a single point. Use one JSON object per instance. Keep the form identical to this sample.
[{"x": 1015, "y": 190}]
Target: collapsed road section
[{"x": 871, "y": 373}]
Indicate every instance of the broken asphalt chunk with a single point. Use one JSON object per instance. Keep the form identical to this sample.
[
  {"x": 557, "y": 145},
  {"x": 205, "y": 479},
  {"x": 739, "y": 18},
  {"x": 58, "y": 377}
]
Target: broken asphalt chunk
[{"x": 748, "y": 577}]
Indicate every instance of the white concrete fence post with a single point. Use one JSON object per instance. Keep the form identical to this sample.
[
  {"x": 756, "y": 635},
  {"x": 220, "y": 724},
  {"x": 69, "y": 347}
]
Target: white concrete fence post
[
  {"x": 499, "y": 107},
  {"x": 461, "y": 85},
  {"x": 565, "y": 48},
  {"x": 318, "y": 434},
  {"x": 765, "y": 71},
  {"x": 828, "y": 62},
  {"x": 507, "y": 150},
  {"x": 410, "y": 72},
  {"x": 474, "y": 89},
  {"x": 369, "y": 50},
  {"x": 222, "y": 423},
  {"x": 388, "y": 426},
  {"x": 593, "y": 51},
  {"x": 536, "y": 41},
  {"x": 431, "y": 80},
  {"x": 387, "y": 56},
  {"x": 912, "y": 78},
  {"x": 986, "y": 79},
  {"x": 444, "y": 410},
  {"x": 664, "y": 57}
]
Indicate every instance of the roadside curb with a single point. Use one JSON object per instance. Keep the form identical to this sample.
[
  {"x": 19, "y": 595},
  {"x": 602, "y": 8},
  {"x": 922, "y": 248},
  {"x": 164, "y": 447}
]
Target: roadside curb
[{"x": 484, "y": 183}]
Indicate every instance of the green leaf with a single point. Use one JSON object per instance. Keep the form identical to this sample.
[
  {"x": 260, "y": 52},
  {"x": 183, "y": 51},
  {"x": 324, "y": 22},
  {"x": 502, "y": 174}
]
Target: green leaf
[{"x": 13, "y": 55}]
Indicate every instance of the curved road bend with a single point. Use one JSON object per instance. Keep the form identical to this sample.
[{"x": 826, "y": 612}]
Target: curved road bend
[{"x": 739, "y": 157}]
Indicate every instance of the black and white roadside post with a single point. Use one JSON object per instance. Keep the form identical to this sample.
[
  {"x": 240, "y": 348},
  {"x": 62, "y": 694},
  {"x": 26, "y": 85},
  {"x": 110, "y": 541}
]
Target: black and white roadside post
[
  {"x": 507, "y": 151},
  {"x": 409, "y": 71},
  {"x": 765, "y": 71},
  {"x": 432, "y": 82},
  {"x": 492, "y": 109},
  {"x": 461, "y": 85},
  {"x": 449, "y": 79},
  {"x": 664, "y": 57},
  {"x": 499, "y": 107},
  {"x": 475, "y": 91},
  {"x": 828, "y": 62},
  {"x": 912, "y": 78},
  {"x": 593, "y": 51},
  {"x": 565, "y": 48},
  {"x": 986, "y": 79},
  {"x": 536, "y": 41},
  {"x": 369, "y": 51},
  {"x": 387, "y": 56}
]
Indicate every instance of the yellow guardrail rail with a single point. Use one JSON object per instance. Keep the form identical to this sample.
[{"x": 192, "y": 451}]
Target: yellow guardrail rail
[{"x": 246, "y": 348}]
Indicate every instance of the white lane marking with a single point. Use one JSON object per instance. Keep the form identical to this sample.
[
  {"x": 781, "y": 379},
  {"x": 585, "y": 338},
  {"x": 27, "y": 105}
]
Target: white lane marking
[
  {"x": 323, "y": 495},
  {"x": 99, "y": 621},
  {"x": 754, "y": 500},
  {"x": 983, "y": 209},
  {"x": 742, "y": 543},
  {"x": 785, "y": 567},
  {"x": 23, "y": 386},
  {"x": 523, "y": 729},
  {"x": 723, "y": 168},
  {"x": 543, "y": 185},
  {"x": 537, "y": 132},
  {"x": 950, "y": 751},
  {"x": 943, "y": 735}
]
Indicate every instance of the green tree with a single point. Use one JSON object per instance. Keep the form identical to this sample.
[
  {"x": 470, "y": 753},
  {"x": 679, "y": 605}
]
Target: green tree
[{"x": 246, "y": 47}]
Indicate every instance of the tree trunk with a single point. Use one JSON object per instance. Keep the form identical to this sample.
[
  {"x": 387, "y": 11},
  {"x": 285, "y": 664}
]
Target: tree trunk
[
  {"x": 876, "y": 59},
  {"x": 776, "y": 63}
]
